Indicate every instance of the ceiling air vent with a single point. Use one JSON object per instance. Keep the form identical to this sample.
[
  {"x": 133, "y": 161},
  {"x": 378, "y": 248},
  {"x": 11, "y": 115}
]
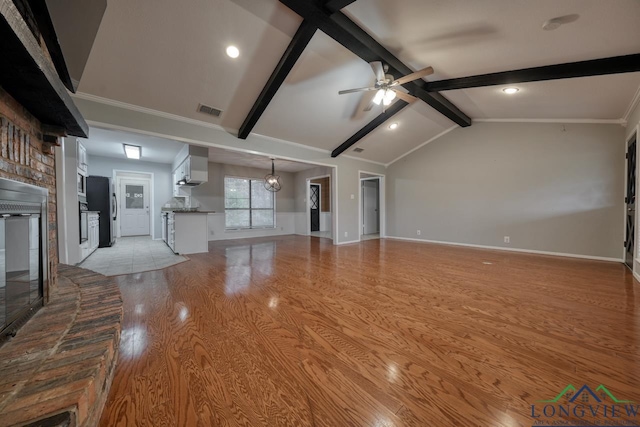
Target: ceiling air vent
[
  {"x": 209, "y": 110},
  {"x": 358, "y": 150}
]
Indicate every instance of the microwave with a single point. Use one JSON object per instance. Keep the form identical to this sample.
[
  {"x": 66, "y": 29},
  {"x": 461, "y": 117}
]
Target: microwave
[{"x": 82, "y": 184}]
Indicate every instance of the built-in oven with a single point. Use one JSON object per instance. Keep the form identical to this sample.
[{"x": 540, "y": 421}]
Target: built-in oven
[
  {"x": 82, "y": 184},
  {"x": 84, "y": 221}
]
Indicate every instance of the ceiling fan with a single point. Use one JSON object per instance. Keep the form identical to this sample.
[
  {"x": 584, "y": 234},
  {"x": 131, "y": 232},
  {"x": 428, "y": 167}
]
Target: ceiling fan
[{"x": 386, "y": 86}]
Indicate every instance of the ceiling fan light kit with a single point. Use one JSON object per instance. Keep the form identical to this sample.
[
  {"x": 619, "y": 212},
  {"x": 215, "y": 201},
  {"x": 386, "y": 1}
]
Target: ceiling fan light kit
[{"x": 386, "y": 85}]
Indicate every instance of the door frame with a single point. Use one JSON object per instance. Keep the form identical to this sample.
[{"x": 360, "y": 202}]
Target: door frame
[
  {"x": 333, "y": 200},
  {"x": 635, "y": 134},
  {"x": 382, "y": 212},
  {"x": 319, "y": 205},
  {"x": 118, "y": 175}
]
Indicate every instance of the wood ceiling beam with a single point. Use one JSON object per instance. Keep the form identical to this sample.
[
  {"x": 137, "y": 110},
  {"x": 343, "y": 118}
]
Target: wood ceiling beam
[
  {"x": 336, "y": 5},
  {"x": 595, "y": 67},
  {"x": 391, "y": 111},
  {"x": 340, "y": 28},
  {"x": 297, "y": 45}
]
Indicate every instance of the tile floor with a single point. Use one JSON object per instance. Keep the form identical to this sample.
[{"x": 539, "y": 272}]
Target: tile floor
[{"x": 131, "y": 255}]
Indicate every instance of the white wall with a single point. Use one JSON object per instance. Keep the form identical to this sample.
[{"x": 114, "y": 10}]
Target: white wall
[
  {"x": 162, "y": 185},
  {"x": 550, "y": 187},
  {"x": 210, "y": 197},
  {"x": 134, "y": 119},
  {"x": 67, "y": 205}
]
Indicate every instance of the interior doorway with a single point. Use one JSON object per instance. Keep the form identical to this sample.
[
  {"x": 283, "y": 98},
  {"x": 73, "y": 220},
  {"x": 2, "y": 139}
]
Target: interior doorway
[
  {"x": 134, "y": 194},
  {"x": 319, "y": 210},
  {"x": 630, "y": 201},
  {"x": 314, "y": 206},
  {"x": 371, "y": 206}
]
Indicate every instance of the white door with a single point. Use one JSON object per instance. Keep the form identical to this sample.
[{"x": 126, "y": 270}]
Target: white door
[
  {"x": 370, "y": 211},
  {"x": 134, "y": 207}
]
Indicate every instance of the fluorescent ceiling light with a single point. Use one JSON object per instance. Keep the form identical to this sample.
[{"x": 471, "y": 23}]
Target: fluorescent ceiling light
[
  {"x": 233, "y": 51},
  {"x": 132, "y": 151},
  {"x": 510, "y": 90}
]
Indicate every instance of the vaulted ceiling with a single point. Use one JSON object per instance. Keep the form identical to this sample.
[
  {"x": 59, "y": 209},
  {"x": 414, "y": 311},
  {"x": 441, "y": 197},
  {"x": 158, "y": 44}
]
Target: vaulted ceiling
[{"x": 169, "y": 56}]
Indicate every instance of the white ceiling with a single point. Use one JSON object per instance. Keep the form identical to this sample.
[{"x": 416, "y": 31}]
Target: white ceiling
[
  {"x": 169, "y": 56},
  {"x": 109, "y": 143}
]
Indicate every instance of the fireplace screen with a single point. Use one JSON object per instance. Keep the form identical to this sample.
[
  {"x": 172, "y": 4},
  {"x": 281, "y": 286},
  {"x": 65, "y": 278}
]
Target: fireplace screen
[{"x": 22, "y": 253}]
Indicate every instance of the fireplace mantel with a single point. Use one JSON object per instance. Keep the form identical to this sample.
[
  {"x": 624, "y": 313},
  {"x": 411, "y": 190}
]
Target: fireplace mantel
[{"x": 29, "y": 76}]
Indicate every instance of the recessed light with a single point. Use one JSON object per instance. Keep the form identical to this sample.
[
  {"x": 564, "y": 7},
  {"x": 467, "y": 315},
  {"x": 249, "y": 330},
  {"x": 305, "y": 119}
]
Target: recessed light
[
  {"x": 510, "y": 90},
  {"x": 392, "y": 126},
  {"x": 132, "y": 151},
  {"x": 233, "y": 51}
]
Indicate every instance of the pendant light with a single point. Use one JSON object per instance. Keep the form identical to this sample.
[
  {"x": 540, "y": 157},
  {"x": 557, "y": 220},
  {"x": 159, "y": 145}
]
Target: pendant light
[{"x": 272, "y": 181}]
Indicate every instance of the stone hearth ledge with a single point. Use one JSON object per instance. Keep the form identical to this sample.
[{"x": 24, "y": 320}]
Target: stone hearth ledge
[{"x": 58, "y": 369}]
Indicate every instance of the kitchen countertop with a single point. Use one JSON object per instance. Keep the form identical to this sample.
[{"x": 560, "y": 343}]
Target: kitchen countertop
[{"x": 189, "y": 212}]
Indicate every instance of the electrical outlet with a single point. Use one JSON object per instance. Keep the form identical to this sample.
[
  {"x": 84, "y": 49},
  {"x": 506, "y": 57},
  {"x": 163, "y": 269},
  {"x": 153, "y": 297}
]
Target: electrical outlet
[
  {"x": 507, "y": 239},
  {"x": 418, "y": 232},
  {"x": 353, "y": 196},
  {"x": 346, "y": 234}
]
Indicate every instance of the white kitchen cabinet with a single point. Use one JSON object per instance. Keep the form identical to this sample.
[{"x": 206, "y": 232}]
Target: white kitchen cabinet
[
  {"x": 187, "y": 232},
  {"x": 82, "y": 162},
  {"x": 94, "y": 231},
  {"x": 93, "y": 235}
]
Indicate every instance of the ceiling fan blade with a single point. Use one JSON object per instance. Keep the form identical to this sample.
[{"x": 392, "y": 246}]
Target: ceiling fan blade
[
  {"x": 406, "y": 97},
  {"x": 413, "y": 76},
  {"x": 378, "y": 70},
  {"x": 361, "y": 89}
]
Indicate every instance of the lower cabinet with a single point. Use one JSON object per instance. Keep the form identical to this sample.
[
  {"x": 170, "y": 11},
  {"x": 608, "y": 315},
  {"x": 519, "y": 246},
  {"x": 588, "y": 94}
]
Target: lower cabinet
[{"x": 94, "y": 231}]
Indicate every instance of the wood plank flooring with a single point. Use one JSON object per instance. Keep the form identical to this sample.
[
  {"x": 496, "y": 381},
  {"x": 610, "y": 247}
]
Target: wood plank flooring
[{"x": 295, "y": 331}]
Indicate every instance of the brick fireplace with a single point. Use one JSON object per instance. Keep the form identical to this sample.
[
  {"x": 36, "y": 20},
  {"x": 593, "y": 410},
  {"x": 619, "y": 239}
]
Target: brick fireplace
[{"x": 25, "y": 157}]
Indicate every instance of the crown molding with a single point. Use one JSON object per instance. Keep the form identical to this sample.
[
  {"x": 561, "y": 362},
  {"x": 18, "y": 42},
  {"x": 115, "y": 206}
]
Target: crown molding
[
  {"x": 577, "y": 121},
  {"x": 157, "y": 113}
]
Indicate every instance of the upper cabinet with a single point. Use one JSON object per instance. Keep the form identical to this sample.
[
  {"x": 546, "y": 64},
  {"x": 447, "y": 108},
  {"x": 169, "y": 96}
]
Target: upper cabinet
[
  {"x": 193, "y": 170},
  {"x": 83, "y": 166}
]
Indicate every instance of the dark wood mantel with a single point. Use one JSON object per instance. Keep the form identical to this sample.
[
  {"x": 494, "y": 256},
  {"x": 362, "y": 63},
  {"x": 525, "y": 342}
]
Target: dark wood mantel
[{"x": 30, "y": 77}]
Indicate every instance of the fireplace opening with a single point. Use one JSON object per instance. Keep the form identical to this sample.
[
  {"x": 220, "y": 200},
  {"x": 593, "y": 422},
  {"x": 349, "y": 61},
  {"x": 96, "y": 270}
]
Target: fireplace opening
[{"x": 23, "y": 254}]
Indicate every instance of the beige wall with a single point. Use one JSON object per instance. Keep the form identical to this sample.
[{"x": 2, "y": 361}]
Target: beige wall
[
  {"x": 210, "y": 195},
  {"x": 550, "y": 187}
]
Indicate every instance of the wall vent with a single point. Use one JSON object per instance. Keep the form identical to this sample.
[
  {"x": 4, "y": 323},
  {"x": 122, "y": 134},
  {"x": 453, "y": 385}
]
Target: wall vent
[
  {"x": 358, "y": 150},
  {"x": 209, "y": 110}
]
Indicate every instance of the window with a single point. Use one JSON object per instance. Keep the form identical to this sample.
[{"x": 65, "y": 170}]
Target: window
[{"x": 248, "y": 204}]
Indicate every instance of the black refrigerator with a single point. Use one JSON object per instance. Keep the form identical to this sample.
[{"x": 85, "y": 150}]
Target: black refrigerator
[{"x": 101, "y": 197}]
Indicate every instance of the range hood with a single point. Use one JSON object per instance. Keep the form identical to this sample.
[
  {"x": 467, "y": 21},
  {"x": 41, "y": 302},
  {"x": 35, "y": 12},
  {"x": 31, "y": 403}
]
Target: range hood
[
  {"x": 193, "y": 171},
  {"x": 188, "y": 182}
]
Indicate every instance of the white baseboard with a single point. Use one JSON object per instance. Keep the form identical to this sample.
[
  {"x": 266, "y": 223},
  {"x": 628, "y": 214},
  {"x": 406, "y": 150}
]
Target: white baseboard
[
  {"x": 636, "y": 276},
  {"x": 500, "y": 248},
  {"x": 348, "y": 243}
]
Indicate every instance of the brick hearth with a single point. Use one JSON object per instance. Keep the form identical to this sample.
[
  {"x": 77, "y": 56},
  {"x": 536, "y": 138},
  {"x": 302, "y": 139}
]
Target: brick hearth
[{"x": 59, "y": 367}]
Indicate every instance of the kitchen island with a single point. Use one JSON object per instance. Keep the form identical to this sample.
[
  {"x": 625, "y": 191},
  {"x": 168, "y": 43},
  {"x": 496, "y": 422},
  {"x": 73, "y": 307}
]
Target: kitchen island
[{"x": 186, "y": 231}]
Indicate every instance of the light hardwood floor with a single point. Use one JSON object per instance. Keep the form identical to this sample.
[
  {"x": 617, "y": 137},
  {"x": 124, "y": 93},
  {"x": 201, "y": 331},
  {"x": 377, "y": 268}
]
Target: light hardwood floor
[{"x": 296, "y": 331}]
